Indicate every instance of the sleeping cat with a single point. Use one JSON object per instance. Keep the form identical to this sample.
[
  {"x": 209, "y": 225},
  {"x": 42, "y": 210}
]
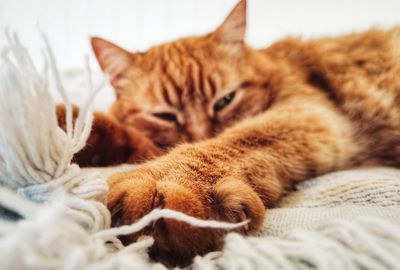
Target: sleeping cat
[{"x": 242, "y": 126}]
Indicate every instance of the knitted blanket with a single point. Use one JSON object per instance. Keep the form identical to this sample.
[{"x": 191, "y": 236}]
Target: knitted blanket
[{"x": 343, "y": 220}]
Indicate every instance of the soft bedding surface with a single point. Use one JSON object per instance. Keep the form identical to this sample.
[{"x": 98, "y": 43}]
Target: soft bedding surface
[{"x": 343, "y": 195}]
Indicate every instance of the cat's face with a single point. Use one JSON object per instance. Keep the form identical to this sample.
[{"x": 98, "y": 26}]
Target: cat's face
[{"x": 187, "y": 90}]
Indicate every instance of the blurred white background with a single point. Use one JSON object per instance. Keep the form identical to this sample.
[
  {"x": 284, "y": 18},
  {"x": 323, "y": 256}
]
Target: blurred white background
[{"x": 138, "y": 24}]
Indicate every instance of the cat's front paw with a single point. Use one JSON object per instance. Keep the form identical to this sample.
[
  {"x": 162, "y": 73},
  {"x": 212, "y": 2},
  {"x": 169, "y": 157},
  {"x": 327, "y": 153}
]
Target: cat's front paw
[{"x": 133, "y": 195}]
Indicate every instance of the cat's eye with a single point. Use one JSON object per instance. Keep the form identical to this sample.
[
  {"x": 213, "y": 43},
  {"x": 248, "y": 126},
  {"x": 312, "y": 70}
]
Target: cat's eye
[
  {"x": 224, "y": 101},
  {"x": 166, "y": 116}
]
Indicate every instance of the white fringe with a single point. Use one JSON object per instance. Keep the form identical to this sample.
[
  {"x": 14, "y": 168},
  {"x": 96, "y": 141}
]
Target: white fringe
[{"x": 365, "y": 243}]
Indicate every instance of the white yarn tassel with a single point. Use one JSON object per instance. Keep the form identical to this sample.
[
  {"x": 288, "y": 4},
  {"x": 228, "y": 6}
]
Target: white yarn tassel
[
  {"x": 35, "y": 153},
  {"x": 34, "y": 149}
]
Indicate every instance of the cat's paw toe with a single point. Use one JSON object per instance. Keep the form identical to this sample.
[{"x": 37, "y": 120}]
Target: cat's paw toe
[
  {"x": 130, "y": 198},
  {"x": 236, "y": 201},
  {"x": 177, "y": 242}
]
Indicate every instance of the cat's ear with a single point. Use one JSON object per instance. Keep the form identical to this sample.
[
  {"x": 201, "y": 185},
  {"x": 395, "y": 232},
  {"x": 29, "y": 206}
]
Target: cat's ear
[
  {"x": 112, "y": 59},
  {"x": 233, "y": 29}
]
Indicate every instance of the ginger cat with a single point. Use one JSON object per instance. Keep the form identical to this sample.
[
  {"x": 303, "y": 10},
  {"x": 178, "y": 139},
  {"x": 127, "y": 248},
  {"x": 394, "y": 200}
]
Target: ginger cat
[{"x": 246, "y": 125}]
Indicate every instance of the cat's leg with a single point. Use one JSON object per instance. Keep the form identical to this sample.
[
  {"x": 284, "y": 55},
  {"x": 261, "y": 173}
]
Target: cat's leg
[
  {"x": 234, "y": 176},
  {"x": 110, "y": 142}
]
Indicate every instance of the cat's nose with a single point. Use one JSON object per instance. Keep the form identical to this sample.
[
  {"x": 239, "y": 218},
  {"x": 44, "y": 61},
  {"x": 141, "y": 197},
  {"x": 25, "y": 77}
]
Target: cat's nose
[
  {"x": 198, "y": 133},
  {"x": 198, "y": 125}
]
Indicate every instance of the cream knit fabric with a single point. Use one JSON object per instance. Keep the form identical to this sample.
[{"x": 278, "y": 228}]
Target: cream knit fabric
[{"x": 341, "y": 195}]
